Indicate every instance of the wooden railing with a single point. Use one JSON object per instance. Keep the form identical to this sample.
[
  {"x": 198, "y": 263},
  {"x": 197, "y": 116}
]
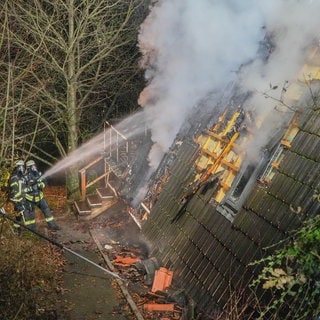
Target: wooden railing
[
  {"x": 84, "y": 184},
  {"x": 114, "y": 143}
]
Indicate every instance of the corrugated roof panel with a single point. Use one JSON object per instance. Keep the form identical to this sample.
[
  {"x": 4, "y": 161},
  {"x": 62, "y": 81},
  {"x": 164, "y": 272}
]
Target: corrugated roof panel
[
  {"x": 300, "y": 168},
  {"x": 199, "y": 269},
  {"x": 243, "y": 248},
  {"x": 162, "y": 223},
  {"x": 187, "y": 274},
  {"x": 219, "y": 286},
  {"x": 203, "y": 212},
  {"x": 163, "y": 208},
  {"x": 256, "y": 199},
  {"x": 257, "y": 229},
  {"x": 205, "y": 301},
  {"x": 225, "y": 236},
  {"x": 174, "y": 187},
  {"x": 310, "y": 121},
  {"x": 277, "y": 185},
  {"x": 206, "y": 216},
  {"x": 299, "y": 201},
  {"x": 314, "y": 209},
  {"x": 200, "y": 235},
  {"x": 196, "y": 263},
  {"x": 218, "y": 224},
  {"x": 210, "y": 276},
  {"x": 220, "y": 229},
  {"x": 271, "y": 209},
  {"x": 238, "y": 281},
  {"x": 208, "y": 273},
  {"x": 215, "y": 254},
  {"x": 210, "y": 246},
  {"x": 188, "y": 152},
  {"x": 226, "y": 263},
  {"x": 307, "y": 144},
  {"x": 171, "y": 189},
  {"x": 183, "y": 172},
  {"x": 291, "y": 190},
  {"x": 288, "y": 189},
  {"x": 195, "y": 207},
  {"x": 191, "y": 254},
  {"x": 152, "y": 228}
]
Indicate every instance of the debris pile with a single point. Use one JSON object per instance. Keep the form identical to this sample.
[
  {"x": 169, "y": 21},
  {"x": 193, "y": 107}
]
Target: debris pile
[{"x": 148, "y": 283}]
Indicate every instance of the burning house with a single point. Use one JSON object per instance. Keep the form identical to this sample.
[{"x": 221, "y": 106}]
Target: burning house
[
  {"x": 237, "y": 178},
  {"x": 210, "y": 209},
  {"x": 218, "y": 211}
]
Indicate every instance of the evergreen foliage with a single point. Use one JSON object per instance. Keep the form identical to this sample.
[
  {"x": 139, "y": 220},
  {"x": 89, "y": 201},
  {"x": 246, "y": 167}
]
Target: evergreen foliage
[{"x": 292, "y": 276}]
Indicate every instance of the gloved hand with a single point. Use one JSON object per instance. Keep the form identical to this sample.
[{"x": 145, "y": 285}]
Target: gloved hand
[
  {"x": 28, "y": 189},
  {"x": 19, "y": 207},
  {"x": 41, "y": 185}
]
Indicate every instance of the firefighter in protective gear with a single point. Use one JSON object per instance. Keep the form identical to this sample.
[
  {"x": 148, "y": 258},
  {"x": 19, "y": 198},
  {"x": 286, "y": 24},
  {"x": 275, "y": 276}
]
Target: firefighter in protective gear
[
  {"x": 35, "y": 198},
  {"x": 17, "y": 186}
]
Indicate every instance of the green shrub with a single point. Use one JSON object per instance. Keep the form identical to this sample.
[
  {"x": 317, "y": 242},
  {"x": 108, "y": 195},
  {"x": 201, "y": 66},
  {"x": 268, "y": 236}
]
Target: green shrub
[{"x": 292, "y": 276}]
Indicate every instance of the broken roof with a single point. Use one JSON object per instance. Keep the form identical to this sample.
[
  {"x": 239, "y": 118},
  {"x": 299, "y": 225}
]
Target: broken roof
[{"x": 208, "y": 249}]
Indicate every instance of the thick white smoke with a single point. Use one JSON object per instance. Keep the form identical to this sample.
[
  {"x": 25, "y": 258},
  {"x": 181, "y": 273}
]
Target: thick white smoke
[{"x": 191, "y": 48}]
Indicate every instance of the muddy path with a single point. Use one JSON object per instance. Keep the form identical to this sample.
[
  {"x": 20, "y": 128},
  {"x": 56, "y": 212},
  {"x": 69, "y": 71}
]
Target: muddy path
[{"x": 89, "y": 293}]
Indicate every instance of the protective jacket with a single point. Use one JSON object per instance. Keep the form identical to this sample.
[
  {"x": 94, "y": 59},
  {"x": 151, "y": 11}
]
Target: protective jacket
[
  {"x": 35, "y": 197},
  {"x": 35, "y": 186},
  {"x": 17, "y": 188}
]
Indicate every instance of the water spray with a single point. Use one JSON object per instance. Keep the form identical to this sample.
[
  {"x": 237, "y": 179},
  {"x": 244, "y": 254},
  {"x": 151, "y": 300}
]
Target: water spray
[
  {"x": 130, "y": 127},
  {"x": 59, "y": 245}
]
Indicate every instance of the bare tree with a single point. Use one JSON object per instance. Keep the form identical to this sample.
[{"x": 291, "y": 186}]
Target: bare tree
[{"x": 73, "y": 63}]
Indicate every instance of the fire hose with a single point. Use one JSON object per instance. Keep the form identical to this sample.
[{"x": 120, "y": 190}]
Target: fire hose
[{"x": 57, "y": 244}]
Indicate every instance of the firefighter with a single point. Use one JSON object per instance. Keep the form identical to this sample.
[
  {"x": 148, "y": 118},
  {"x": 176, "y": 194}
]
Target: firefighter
[
  {"x": 17, "y": 186},
  {"x": 35, "y": 198}
]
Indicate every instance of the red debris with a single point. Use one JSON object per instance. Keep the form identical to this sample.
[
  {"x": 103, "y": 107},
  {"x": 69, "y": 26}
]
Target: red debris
[
  {"x": 124, "y": 261},
  {"x": 162, "y": 279},
  {"x": 159, "y": 306}
]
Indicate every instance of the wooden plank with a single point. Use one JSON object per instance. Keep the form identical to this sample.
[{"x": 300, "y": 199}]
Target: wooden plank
[
  {"x": 97, "y": 211},
  {"x": 82, "y": 207}
]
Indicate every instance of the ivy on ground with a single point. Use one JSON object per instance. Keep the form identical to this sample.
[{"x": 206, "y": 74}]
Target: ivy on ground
[{"x": 292, "y": 276}]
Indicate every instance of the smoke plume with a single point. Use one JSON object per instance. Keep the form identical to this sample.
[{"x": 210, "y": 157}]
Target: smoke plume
[{"x": 191, "y": 48}]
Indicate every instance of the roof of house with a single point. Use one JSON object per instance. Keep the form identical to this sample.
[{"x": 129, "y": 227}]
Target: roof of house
[{"x": 210, "y": 252}]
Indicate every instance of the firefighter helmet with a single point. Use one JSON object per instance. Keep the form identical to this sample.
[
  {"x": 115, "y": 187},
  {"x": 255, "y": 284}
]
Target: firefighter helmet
[
  {"x": 30, "y": 163},
  {"x": 19, "y": 163},
  {"x": 19, "y": 166}
]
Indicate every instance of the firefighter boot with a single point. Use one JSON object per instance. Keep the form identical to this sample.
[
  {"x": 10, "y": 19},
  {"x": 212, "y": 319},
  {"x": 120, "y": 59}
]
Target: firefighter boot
[
  {"x": 53, "y": 226},
  {"x": 17, "y": 230}
]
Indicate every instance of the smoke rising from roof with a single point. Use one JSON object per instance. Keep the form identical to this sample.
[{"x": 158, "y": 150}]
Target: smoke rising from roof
[{"x": 191, "y": 48}]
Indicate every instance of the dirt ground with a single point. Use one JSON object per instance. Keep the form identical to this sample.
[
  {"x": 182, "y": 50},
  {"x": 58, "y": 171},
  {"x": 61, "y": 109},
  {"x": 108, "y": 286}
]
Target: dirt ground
[{"x": 88, "y": 292}]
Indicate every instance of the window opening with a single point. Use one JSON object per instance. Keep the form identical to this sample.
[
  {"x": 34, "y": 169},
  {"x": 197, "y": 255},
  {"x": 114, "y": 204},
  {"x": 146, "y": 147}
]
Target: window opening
[
  {"x": 242, "y": 182},
  {"x": 278, "y": 155}
]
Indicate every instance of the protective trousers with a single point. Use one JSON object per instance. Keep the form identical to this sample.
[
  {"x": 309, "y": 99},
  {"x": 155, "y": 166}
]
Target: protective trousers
[
  {"x": 44, "y": 207},
  {"x": 20, "y": 210}
]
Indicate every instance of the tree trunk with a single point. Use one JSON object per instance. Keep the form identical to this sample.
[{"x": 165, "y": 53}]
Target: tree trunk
[{"x": 72, "y": 180}]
